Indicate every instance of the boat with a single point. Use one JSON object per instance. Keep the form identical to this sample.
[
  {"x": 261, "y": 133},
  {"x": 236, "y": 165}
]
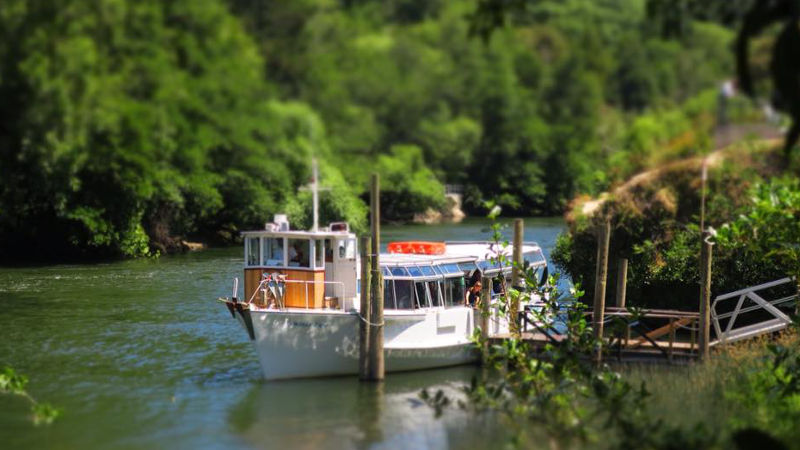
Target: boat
[{"x": 301, "y": 299}]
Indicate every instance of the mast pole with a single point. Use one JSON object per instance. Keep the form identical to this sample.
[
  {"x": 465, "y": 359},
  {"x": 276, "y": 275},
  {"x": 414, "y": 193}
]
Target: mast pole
[{"x": 315, "y": 192}]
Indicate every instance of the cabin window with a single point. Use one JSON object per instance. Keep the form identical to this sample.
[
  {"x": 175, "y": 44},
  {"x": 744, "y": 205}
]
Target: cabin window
[
  {"x": 404, "y": 293},
  {"x": 252, "y": 251},
  {"x": 451, "y": 268},
  {"x": 454, "y": 292},
  {"x": 328, "y": 251},
  {"x": 534, "y": 257},
  {"x": 319, "y": 249},
  {"x": 467, "y": 267},
  {"x": 388, "y": 295},
  {"x": 272, "y": 251},
  {"x": 489, "y": 265},
  {"x": 399, "y": 272},
  {"x": 435, "y": 293},
  {"x": 299, "y": 253},
  {"x": 427, "y": 271},
  {"x": 421, "y": 294},
  {"x": 415, "y": 271},
  {"x": 347, "y": 249},
  {"x": 497, "y": 284}
]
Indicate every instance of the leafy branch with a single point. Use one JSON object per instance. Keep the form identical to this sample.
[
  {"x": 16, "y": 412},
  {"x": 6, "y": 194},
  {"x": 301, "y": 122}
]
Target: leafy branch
[{"x": 14, "y": 384}]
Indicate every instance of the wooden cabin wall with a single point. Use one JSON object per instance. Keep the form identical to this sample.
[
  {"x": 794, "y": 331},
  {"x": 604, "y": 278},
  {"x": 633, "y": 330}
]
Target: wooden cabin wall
[{"x": 295, "y": 292}]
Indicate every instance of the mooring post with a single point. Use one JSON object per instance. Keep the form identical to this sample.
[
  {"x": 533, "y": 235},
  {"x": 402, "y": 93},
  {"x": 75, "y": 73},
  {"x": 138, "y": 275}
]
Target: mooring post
[
  {"x": 622, "y": 287},
  {"x": 516, "y": 278},
  {"x": 603, "y": 241},
  {"x": 486, "y": 298},
  {"x": 622, "y": 281},
  {"x": 364, "y": 311},
  {"x": 705, "y": 297},
  {"x": 671, "y": 336},
  {"x": 376, "y": 366}
]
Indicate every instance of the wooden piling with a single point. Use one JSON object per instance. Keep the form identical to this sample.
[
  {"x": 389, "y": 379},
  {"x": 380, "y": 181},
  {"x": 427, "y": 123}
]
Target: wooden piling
[
  {"x": 516, "y": 278},
  {"x": 603, "y": 241},
  {"x": 486, "y": 299},
  {"x": 705, "y": 297},
  {"x": 622, "y": 288},
  {"x": 672, "y": 327},
  {"x": 364, "y": 311},
  {"x": 375, "y": 348},
  {"x": 622, "y": 281}
]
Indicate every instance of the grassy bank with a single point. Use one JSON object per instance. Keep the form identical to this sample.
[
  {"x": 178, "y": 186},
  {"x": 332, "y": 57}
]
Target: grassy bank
[{"x": 739, "y": 388}]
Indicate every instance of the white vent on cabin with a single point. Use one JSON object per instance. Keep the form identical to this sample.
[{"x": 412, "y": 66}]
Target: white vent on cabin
[
  {"x": 339, "y": 226},
  {"x": 281, "y": 222}
]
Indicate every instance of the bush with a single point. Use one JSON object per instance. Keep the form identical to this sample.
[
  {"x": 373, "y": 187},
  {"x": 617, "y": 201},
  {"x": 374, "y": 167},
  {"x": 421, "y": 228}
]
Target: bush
[{"x": 655, "y": 225}]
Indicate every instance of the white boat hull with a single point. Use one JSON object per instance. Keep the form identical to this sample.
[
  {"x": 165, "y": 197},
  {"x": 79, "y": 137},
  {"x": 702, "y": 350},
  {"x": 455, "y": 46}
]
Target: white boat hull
[{"x": 308, "y": 343}]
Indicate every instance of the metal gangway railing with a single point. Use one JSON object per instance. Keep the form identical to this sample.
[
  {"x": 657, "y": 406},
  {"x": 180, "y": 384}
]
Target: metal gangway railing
[{"x": 753, "y": 315}]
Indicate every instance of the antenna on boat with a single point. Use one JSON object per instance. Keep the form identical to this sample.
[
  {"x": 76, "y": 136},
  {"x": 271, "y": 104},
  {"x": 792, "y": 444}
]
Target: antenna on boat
[
  {"x": 315, "y": 192},
  {"x": 314, "y": 188}
]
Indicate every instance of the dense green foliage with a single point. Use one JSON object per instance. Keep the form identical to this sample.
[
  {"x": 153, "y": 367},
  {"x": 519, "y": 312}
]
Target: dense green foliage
[
  {"x": 562, "y": 398},
  {"x": 128, "y": 126},
  {"x": 655, "y": 224}
]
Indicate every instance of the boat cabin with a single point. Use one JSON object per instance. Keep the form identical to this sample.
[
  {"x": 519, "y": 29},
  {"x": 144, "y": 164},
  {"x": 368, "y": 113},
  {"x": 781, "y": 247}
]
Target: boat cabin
[
  {"x": 413, "y": 281},
  {"x": 318, "y": 267}
]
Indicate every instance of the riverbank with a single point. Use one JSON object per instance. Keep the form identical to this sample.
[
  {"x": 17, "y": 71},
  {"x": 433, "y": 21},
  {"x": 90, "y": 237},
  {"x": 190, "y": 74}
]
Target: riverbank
[{"x": 655, "y": 218}]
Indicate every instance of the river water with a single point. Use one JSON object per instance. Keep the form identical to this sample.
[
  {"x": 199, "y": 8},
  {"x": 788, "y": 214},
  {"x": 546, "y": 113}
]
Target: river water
[{"x": 139, "y": 355}]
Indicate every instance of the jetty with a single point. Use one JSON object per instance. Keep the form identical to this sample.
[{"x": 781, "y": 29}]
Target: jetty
[{"x": 640, "y": 334}]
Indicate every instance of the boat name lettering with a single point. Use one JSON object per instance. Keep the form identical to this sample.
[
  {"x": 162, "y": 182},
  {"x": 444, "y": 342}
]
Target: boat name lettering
[{"x": 308, "y": 324}]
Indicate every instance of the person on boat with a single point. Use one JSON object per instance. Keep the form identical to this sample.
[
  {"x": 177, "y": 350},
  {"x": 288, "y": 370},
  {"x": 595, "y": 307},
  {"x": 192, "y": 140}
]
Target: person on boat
[
  {"x": 296, "y": 254},
  {"x": 474, "y": 295}
]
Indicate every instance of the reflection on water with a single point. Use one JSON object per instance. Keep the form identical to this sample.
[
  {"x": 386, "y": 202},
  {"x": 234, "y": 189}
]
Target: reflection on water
[
  {"x": 139, "y": 355},
  {"x": 342, "y": 413}
]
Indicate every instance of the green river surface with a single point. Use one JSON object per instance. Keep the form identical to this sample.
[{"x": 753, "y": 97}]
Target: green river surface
[{"x": 138, "y": 354}]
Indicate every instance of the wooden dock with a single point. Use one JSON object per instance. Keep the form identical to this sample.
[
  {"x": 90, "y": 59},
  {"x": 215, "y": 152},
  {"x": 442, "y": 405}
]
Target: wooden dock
[{"x": 653, "y": 333}]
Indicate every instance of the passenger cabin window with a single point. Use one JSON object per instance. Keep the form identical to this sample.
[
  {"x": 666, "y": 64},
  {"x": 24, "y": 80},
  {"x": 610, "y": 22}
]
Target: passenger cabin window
[
  {"x": 534, "y": 257},
  {"x": 404, "y": 294},
  {"x": 388, "y": 295},
  {"x": 299, "y": 253},
  {"x": 422, "y": 295},
  {"x": 252, "y": 251},
  {"x": 319, "y": 249},
  {"x": 272, "y": 252},
  {"x": 454, "y": 292},
  {"x": 349, "y": 249},
  {"x": 328, "y": 251},
  {"x": 435, "y": 294},
  {"x": 467, "y": 267}
]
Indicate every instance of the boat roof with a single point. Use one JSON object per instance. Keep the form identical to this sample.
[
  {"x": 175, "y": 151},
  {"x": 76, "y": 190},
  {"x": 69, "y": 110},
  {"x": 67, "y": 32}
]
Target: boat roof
[
  {"x": 299, "y": 234},
  {"x": 458, "y": 252}
]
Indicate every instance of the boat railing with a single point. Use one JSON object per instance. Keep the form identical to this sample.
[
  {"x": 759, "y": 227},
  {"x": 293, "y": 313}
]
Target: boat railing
[{"x": 281, "y": 282}]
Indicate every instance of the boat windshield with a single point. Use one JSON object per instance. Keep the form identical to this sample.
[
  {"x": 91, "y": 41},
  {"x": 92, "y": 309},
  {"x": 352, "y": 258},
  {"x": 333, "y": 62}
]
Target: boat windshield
[
  {"x": 423, "y": 286},
  {"x": 535, "y": 258}
]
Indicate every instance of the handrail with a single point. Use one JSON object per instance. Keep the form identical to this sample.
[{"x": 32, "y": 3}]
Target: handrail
[
  {"x": 260, "y": 287},
  {"x": 307, "y": 282},
  {"x": 754, "y": 288},
  {"x": 779, "y": 320}
]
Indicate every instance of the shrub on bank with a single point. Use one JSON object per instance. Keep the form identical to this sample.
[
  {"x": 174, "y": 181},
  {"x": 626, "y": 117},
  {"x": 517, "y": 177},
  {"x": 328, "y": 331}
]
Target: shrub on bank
[{"x": 655, "y": 225}]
